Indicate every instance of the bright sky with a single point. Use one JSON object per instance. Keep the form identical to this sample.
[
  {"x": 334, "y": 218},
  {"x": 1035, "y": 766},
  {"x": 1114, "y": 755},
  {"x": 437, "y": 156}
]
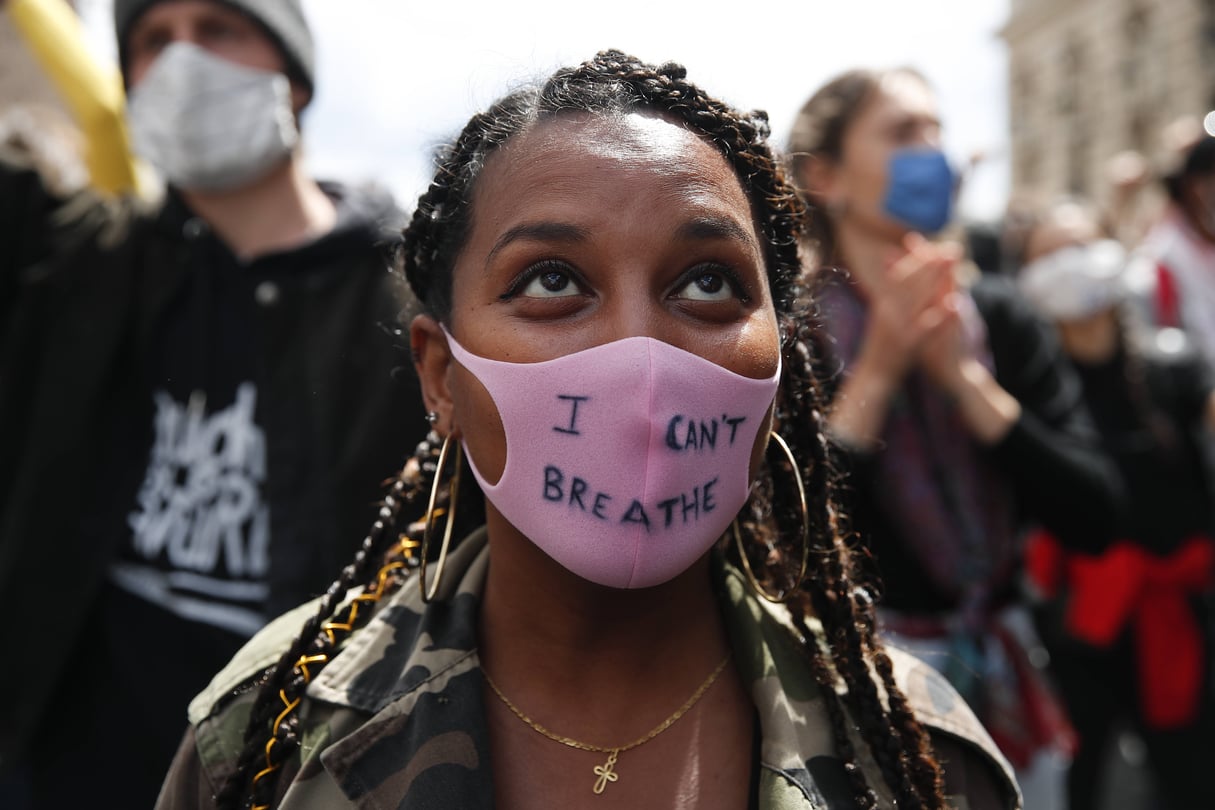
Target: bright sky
[{"x": 397, "y": 78}]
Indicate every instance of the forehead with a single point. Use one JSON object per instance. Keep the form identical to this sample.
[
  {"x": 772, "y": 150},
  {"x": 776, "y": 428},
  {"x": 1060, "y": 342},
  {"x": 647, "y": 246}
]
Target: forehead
[
  {"x": 580, "y": 159},
  {"x": 171, "y": 13},
  {"x": 901, "y": 95},
  {"x": 1067, "y": 225}
]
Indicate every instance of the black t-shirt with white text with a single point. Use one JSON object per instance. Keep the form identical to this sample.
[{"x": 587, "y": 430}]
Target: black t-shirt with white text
[{"x": 183, "y": 505}]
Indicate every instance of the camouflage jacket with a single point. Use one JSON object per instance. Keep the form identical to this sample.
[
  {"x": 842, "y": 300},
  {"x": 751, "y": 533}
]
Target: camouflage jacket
[{"x": 397, "y": 718}]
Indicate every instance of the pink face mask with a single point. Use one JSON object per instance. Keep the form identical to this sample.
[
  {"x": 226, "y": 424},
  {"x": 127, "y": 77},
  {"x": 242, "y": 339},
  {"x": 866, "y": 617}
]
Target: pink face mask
[{"x": 624, "y": 462}]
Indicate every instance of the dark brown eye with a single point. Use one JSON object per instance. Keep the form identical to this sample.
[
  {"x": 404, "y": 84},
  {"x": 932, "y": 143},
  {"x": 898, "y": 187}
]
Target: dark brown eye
[
  {"x": 549, "y": 281},
  {"x": 553, "y": 282},
  {"x": 708, "y": 284}
]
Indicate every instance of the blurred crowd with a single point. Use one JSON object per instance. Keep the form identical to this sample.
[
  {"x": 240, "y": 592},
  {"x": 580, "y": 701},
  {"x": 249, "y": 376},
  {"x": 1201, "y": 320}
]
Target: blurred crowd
[{"x": 203, "y": 388}]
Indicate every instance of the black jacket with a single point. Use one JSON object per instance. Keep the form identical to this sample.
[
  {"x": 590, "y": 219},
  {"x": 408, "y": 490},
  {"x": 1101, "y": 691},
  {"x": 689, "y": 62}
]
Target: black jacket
[
  {"x": 339, "y": 400},
  {"x": 1051, "y": 458}
]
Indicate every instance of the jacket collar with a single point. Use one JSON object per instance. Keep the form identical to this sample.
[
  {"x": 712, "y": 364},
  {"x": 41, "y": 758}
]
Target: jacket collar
[
  {"x": 415, "y": 669},
  {"x": 367, "y": 219},
  {"x": 408, "y": 643}
]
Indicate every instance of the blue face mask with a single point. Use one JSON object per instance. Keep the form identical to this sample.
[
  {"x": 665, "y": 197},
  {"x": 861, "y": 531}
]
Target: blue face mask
[{"x": 920, "y": 188}]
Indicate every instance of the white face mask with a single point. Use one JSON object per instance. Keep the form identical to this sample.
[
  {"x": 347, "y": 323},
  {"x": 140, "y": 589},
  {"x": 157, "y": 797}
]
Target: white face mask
[
  {"x": 1076, "y": 281},
  {"x": 208, "y": 124}
]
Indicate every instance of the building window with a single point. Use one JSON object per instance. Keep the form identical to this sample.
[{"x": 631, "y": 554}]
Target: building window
[
  {"x": 1077, "y": 162},
  {"x": 1022, "y": 99},
  {"x": 1071, "y": 78},
  {"x": 1140, "y": 131},
  {"x": 1135, "y": 26},
  {"x": 1028, "y": 164},
  {"x": 1135, "y": 33},
  {"x": 1207, "y": 8}
]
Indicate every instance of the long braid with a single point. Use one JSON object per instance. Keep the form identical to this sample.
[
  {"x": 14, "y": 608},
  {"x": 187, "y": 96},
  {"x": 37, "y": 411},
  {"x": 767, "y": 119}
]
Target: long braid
[
  {"x": 853, "y": 652},
  {"x": 614, "y": 83},
  {"x": 317, "y": 640},
  {"x": 925, "y": 771},
  {"x": 825, "y": 676},
  {"x": 840, "y": 599}
]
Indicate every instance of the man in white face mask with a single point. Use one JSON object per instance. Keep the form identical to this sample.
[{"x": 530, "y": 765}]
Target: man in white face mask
[
  {"x": 195, "y": 416},
  {"x": 216, "y": 90}
]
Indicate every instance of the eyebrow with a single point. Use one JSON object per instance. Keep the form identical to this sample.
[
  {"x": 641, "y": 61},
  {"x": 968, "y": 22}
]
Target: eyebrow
[
  {"x": 700, "y": 228},
  {"x": 539, "y": 232},
  {"x": 715, "y": 228},
  {"x": 914, "y": 119}
]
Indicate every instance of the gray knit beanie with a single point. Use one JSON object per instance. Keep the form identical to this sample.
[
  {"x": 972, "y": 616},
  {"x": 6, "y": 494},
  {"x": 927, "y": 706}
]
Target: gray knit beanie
[{"x": 282, "y": 20}]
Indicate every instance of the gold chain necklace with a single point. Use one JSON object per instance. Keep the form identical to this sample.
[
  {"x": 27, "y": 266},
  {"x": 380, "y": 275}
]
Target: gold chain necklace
[{"x": 606, "y": 773}]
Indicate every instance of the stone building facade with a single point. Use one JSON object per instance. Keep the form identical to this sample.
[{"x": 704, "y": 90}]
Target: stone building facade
[{"x": 1090, "y": 79}]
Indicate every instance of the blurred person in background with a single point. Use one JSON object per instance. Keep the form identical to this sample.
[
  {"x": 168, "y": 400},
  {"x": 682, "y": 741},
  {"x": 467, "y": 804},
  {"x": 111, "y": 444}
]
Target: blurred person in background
[
  {"x": 61, "y": 117},
  {"x": 1134, "y": 202},
  {"x": 957, "y": 416},
  {"x": 1127, "y": 630},
  {"x": 196, "y": 414},
  {"x": 1178, "y": 254}
]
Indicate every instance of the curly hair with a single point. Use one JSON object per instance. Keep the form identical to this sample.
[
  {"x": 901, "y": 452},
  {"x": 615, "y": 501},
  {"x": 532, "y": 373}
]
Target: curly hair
[{"x": 845, "y": 649}]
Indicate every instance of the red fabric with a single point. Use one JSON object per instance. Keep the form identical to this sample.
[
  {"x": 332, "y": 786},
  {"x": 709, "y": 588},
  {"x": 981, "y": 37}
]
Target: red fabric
[
  {"x": 1168, "y": 303},
  {"x": 1031, "y": 720},
  {"x": 1127, "y": 584}
]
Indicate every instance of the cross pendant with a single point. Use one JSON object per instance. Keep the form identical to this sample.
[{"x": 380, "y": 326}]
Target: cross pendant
[{"x": 605, "y": 773}]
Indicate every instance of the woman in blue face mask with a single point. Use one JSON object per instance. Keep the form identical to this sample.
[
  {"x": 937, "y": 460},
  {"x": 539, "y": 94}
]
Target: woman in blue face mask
[{"x": 952, "y": 405}]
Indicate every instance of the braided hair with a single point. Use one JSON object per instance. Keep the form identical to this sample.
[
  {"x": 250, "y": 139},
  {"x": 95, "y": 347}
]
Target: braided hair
[{"x": 845, "y": 649}]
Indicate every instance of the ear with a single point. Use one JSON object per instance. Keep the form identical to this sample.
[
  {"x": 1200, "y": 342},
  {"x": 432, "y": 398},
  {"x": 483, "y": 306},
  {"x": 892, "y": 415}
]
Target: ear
[
  {"x": 818, "y": 175},
  {"x": 301, "y": 96},
  {"x": 432, "y": 360}
]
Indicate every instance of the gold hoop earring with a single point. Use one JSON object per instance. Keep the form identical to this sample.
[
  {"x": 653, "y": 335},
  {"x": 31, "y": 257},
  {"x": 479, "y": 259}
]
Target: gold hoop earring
[
  {"x": 453, "y": 494},
  {"x": 801, "y": 496}
]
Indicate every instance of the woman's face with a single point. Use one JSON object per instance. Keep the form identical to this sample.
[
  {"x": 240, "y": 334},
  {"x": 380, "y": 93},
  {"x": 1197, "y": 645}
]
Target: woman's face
[
  {"x": 901, "y": 114},
  {"x": 587, "y": 230},
  {"x": 1080, "y": 304}
]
